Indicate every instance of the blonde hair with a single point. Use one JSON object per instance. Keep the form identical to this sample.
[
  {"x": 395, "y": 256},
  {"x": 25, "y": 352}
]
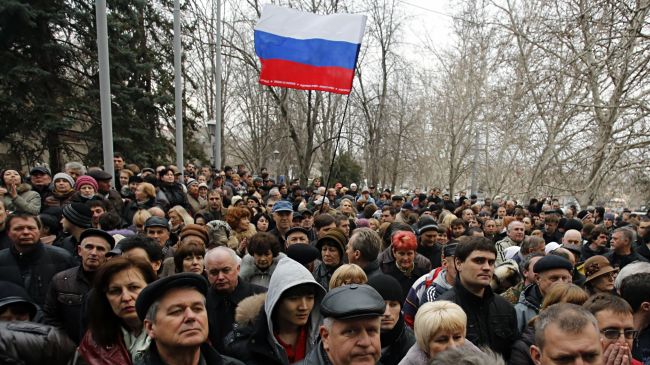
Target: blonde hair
[
  {"x": 448, "y": 219},
  {"x": 185, "y": 216},
  {"x": 564, "y": 293},
  {"x": 140, "y": 217},
  {"x": 434, "y": 317},
  {"x": 348, "y": 274},
  {"x": 148, "y": 189}
]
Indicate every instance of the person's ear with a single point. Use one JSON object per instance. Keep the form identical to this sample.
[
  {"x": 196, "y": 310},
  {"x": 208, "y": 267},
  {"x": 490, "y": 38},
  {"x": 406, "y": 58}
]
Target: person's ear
[
  {"x": 325, "y": 337},
  {"x": 148, "y": 326},
  {"x": 645, "y": 306},
  {"x": 536, "y": 354},
  {"x": 156, "y": 265}
]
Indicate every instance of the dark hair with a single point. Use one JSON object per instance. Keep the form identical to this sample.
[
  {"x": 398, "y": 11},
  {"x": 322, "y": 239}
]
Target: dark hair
[
  {"x": 261, "y": 242},
  {"x": 605, "y": 301},
  {"x": 636, "y": 289},
  {"x": 596, "y": 232},
  {"x": 369, "y": 210},
  {"x": 104, "y": 324},
  {"x": 21, "y": 215},
  {"x": 110, "y": 221},
  {"x": 457, "y": 222},
  {"x": 187, "y": 249},
  {"x": 529, "y": 259},
  {"x": 474, "y": 243},
  {"x": 164, "y": 171},
  {"x": 154, "y": 251},
  {"x": 97, "y": 203},
  {"x": 323, "y": 220}
]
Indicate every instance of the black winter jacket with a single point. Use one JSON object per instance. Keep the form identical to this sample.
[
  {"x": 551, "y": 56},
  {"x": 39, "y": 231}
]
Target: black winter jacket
[
  {"x": 32, "y": 343},
  {"x": 65, "y": 298},
  {"x": 396, "y": 343},
  {"x": 35, "y": 269},
  {"x": 175, "y": 195},
  {"x": 491, "y": 320},
  {"x": 521, "y": 349},
  {"x": 209, "y": 356},
  {"x": 251, "y": 344}
]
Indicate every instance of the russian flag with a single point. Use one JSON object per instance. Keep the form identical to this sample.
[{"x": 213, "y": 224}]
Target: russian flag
[{"x": 306, "y": 51}]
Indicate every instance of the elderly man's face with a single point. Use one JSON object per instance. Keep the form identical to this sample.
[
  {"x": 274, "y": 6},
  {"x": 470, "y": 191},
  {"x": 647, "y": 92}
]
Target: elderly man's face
[
  {"x": 222, "y": 272},
  {"x": 353, "y": 341},
  {"x": 40, "y": 179},
  {"x": 181, "y": 320},
  {"x": 297, "y": 237}
]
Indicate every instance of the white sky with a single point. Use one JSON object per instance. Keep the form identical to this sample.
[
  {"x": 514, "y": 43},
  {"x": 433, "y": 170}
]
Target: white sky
[{"x": 426, "y": 17}]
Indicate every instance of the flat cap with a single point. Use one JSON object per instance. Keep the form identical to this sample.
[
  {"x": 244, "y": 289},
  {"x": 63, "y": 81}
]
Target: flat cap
[
  {"x": 450, "y": 249},
  {"x": 92, "y": 232},
  {"x": 158, "y": 288},
  {"x": 302, "y": 253},
  {"x": 156, "y": 222},
  {"x": 98, "y": 175},
  {"x": 195, "y": 230},
  {"x": 40, "y": 170},
  {"x": 552, "y": 262},
  {"x": 294, "y": 230},
  {"x": 352, "y": 301}
]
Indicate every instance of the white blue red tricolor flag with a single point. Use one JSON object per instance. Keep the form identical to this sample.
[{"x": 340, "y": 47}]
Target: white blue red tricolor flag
[{"x": 301, "y": 50}]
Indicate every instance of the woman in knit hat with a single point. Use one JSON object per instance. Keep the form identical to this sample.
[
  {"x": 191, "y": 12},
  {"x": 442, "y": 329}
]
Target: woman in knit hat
[
  {"x": 332, "y": 247},
  {"x": 86, "y": 187},
  {"x": 62, "y": 192}
]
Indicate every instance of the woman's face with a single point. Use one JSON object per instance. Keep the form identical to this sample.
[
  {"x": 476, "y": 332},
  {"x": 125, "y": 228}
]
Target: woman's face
[
  {"x": 445, "y": 340},
  {"x": 373, "y": 225},
  {"x": 243, "y": 224},
  {"x": 263, "y": 261},
  {"x": 404, "y": 258},
  {"x": 62, "y": 185},
  {"x": 193, "y": 189},
  {"x": 193, "y": 263},
  {"x": 122, "y": 292},
  {"x": 124, "y": 179},
  {"x": 11, "y": 177},
  {"x": 262, "y": 224},
  {"x": 175, "y": 219},
  {"x": 201, "y": 179},
  {"x": 330, "y": 255},
  {"x": 87, "y": 190},
  {"x": 604, "y": 283},
  {"x": 203, "y": 192},
  {"x": 168, "y": 177},
  {"x": 200, "y": 221},
  {"x": 346, "y": 207},
  {"x": 140, "y": 195}
]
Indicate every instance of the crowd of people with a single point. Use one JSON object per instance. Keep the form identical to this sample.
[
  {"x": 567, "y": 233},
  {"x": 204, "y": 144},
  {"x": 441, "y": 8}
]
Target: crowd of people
[{"x": 204, "y": 266}]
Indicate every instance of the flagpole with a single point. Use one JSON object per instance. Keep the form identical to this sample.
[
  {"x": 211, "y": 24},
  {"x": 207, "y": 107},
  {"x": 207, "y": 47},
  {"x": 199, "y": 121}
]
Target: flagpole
[
  {"x": 217, "y": 110},
  {"x": 178, "y": 86},
  {"x": 105, "y": 87}
]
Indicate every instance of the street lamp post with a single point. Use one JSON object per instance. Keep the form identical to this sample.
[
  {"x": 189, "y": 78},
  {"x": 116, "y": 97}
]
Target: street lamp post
[
  {"x": 212, "y": 130},
  {"x": 276, "y": 158}
]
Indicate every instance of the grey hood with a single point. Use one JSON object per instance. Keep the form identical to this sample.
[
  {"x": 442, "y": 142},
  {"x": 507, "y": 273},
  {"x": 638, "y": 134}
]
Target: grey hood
[{"x": 288, "y": 274}]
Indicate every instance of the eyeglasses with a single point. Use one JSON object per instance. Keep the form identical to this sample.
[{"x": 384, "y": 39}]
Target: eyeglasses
[{"x": 615, "y": 333}]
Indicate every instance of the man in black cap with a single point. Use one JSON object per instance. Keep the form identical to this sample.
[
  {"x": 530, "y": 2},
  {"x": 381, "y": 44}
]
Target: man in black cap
[
  {"x": 28, "y": 262},
  {"x": 427, "y": 245},
  {"x": 296, "y": 235},
  {"x": 491, "y": 320},
  {"x": 351, "y": 329},
  {"x": 174, "y": 315},
  {"x": 68, "y": 289},
  {"x": 40, "y": 179},
  {"x": 549, "y": 270},
  {"x": 158, "y": 229},
  {"x": 77, "y": 217},
  {"x": 396, "y": 337},
  {"x": 104, "y": 189}
]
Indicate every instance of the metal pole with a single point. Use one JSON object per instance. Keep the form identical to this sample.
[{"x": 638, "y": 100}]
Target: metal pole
[
  {"x": 474, "y": 186},
  {"x": 178, "y": 86},
  {"x": 105, "y": 87},
  {"x": 217, "y": 76}
]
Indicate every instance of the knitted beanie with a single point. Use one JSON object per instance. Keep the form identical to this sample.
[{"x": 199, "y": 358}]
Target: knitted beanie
[{"x": 86, "y": 180}]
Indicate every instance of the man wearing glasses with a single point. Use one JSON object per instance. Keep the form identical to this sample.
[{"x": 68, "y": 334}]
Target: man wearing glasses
[{"x": 616, "y": 326}]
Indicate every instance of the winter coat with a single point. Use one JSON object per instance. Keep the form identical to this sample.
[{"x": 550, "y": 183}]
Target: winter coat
[
  {"x": 388, "y": 266},
  {"x": 501, "y": 249},
  {"x": 27, "y": 200},
  {"x": 396, "y": 343},
  {"x": 432, "y": 253},
  {"x": 65, "y": 297},
  {"x": 34, "y": 270},
  {"x": 58, "y": 199},
  {"x": 323, "y": 274},
  {"x": 91, "y": 353},
  {"x": 372, "y": 269},
  {"x": 174, "y": 194},
  {"x": 412, "y": 301},
  {"x": 251, "y": 273},
  {"x": 317, "y": 356},
  {"x": 586, "y": 252},
  {"x": 237, "y": 237},
  {"x": 416, "y": 356},
  {"x": 134, "y": 206},
  {"x": 221, "y": 310},
  {"x": 209, "y": 356},
  {"x": 619, "y": 262},
  {"x": 491, "y": 320},
  {"x": 258, "y": 345},
  {"x": 32, "y": 343},
  {"x": 528, "y": 306},
  {"x": 521, "y": 349}
]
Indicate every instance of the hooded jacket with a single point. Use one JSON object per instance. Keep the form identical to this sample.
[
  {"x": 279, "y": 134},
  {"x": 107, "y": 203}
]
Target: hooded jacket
[
  {"x": 528, "y": 306},
  {"x": 254, "y": 275},
  {"x": 33, "y": 343},
  {"x": 258, "y": 345}
]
